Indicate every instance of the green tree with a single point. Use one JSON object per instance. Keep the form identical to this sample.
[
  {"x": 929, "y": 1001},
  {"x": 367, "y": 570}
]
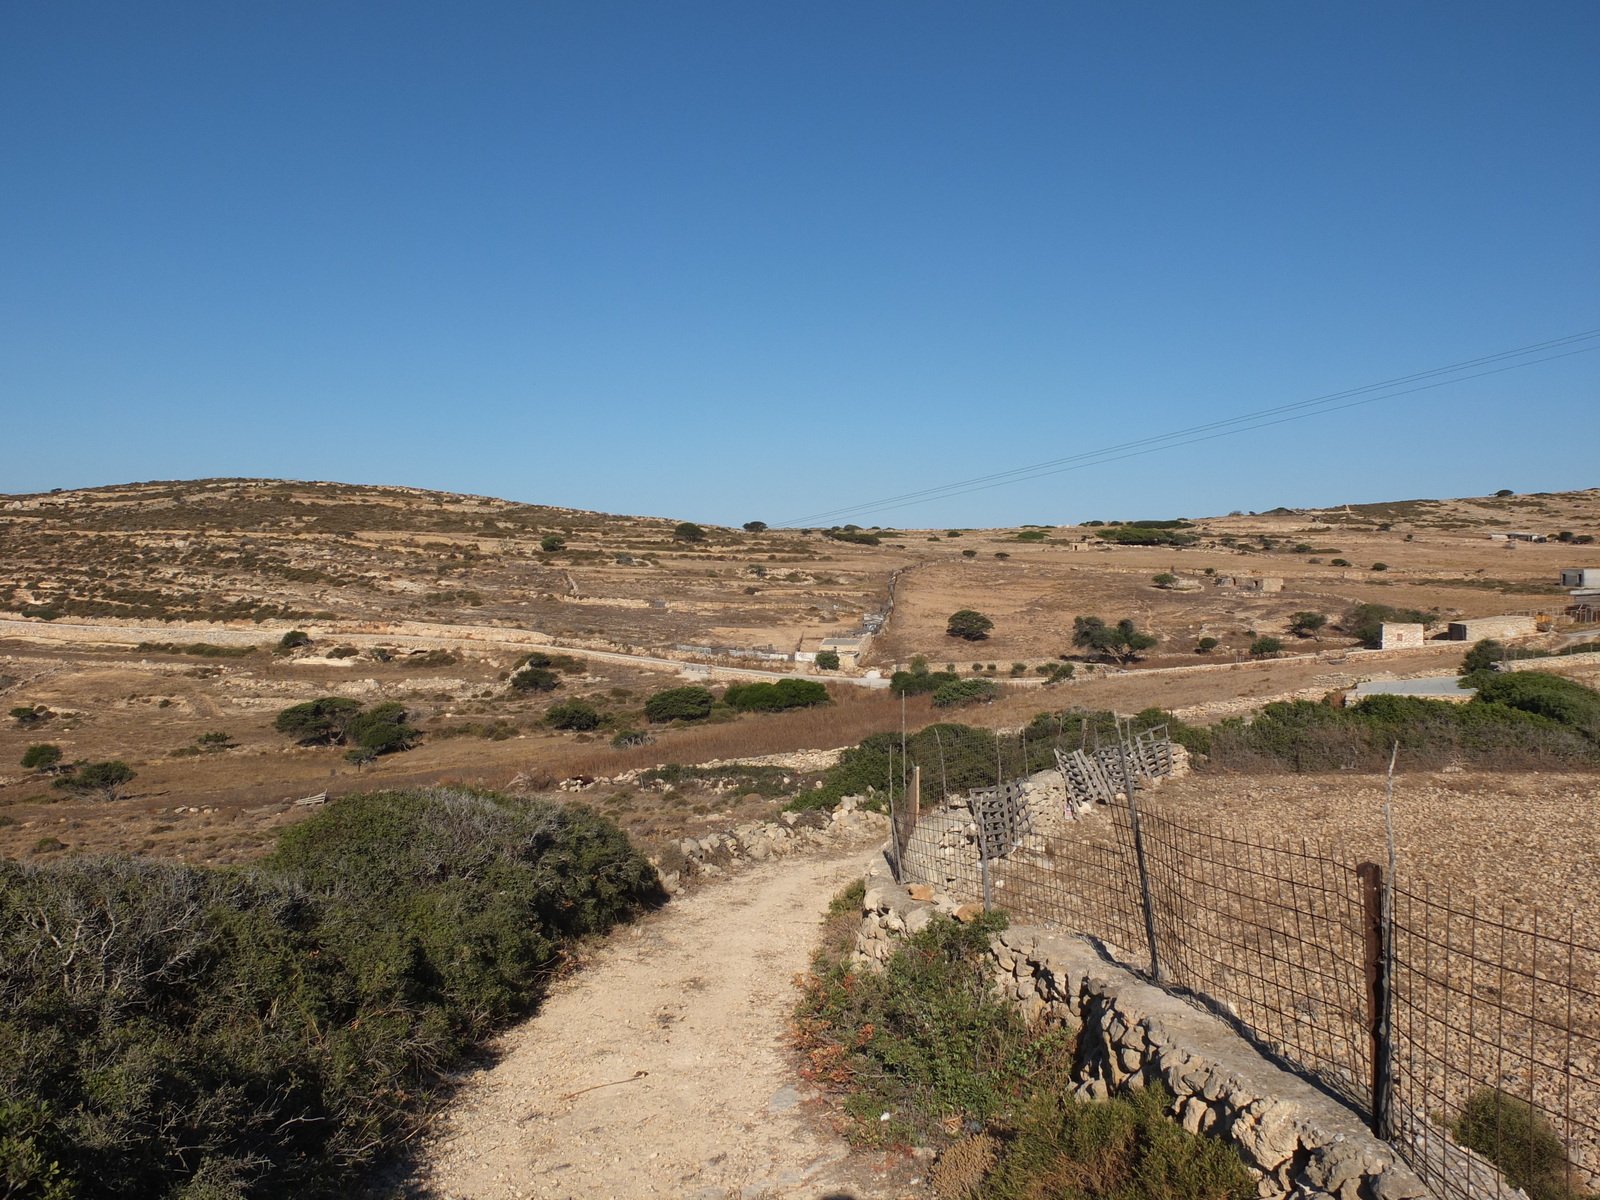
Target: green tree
[
  {"x": 1483, "y": 655},
  {"x": 573, "y": 714},
  {"x": 1206, "y": 645},
  {"x": 1504, "y": 492},
  {"x": 317, "y": 721},
  {"x": 969, "y": 625},
  {"x": 679, "y": 704},
  {"x": 102, "y": 779},
  {"x": 755, "y": 526},
  {"x": 1307, "y": 624},
  {"x": 1164, "y": 580},
  {"x": 688, "y": 531},
  {"x": 1365, "y": 622},
  {"x": 1121, "y": 641},
  {"x": 827, "y": 660},
  {"x": 550, "y": 543},
  {"x": 1380, "y": 566},
  {"x": 535, "y": 679},
  {"x": 1264, "y": 646},
  {"x": 776, "y": 697},
  {"x": 293, "y": 640},
  {"x": 43, "y": 757},
  {"x": 382, "y": 729}
]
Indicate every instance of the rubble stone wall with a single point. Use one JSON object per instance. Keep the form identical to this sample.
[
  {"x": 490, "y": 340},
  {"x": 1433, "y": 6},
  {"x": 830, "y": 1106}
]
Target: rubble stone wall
[{"x": 1296, "y": 1140}]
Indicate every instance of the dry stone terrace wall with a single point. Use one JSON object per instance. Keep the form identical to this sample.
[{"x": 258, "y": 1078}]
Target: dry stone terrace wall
[{"x": 1296, "y": 1140}]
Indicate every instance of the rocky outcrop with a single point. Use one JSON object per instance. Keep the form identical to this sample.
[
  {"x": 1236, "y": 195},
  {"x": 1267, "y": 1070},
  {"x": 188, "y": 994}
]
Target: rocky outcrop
[{"x": 1297, "y": 1141}]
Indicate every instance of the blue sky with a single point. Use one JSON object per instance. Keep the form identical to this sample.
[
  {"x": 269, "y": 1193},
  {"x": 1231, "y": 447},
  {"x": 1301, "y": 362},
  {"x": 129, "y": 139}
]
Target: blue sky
[{"x": 732, "y": 261}]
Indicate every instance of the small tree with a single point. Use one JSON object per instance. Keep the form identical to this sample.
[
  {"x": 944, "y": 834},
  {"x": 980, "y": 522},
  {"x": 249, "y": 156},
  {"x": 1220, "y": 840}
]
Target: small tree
[
  {"x": 969, "y": 625},
  {"x": 382, "y": 729},
  {"x": 679, "y": 704},
  {"x": 1380, "y": 566},
  {"x": 293, "y": 640},
  {"x": 550, "y": 543},
  {"x": 573, "y": 714},
  {"x": 1264, "y": 646},
  {"x": 43, "y": 758},
  {"x": 1206, "y": 645},
  {"x": 317, "y": 721},
  {"x": 1483, "y": 655},
  {"x": 1307, "y": 624},
  {"x": 1338, "y": 562},
  {"x": 963, "y": 691},
  {"x": 688, "y": 531},
  {"x": 1164, "y": 580},
  {"x": 755, "y": 526},
  {"x": 103, "y": 779},
  {"x": 535, "y": 679},
  {"x": 1503, "y": 493},
  {"x": 1121, "y": 641},
  {"x": 1018, "y": 669},
  {"x": 969, "y": 554},
  {"x": 827, "y": 660}
]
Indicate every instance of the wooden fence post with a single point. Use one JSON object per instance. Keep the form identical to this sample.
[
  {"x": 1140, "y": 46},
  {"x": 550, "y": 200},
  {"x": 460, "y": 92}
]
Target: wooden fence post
[{"x": 1376, "y": 969}]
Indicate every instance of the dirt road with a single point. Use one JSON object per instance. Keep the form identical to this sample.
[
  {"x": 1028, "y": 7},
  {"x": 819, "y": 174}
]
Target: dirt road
[{"x": 698, "y": 996}]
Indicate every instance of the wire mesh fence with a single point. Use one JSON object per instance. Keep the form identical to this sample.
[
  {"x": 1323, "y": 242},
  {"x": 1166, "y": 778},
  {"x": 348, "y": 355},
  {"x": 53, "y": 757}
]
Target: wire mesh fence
[{"x": 1470, "y": 1039}]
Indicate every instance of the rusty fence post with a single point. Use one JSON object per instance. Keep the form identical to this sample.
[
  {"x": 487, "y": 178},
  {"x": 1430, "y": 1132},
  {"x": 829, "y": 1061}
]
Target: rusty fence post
[{"x": 1376, "y": 950}]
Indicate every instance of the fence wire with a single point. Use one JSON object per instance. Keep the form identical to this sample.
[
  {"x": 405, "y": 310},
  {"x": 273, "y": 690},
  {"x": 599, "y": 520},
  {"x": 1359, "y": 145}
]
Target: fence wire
[{"x": 1488, "y": 1034}]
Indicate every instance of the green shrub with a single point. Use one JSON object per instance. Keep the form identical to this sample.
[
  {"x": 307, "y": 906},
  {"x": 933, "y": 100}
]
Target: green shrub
[
  {"x": 1509, "y": 1133},
  {"x": 1338, "y": 562},
  {"x": 1206, "y": 645},
  {"x": 1121, "y": 641},
  {"x": 917, "y": 683},
  {"x": 551, "y": 544},
  {"x": 853, "y": 534},
  {"x": 293, "y": 640},
  {"x": 1264, "y": 646},
  {"x": 1307, "y": 624},
  {"x": 691, "y": 703},
  {"x": 969, "y": 625},
  {"x": 1141, "y": 534},
  {"x": 963, "y": 691},
  {"x": 343, "y": 652},
  {"x": 42, "y": 757},
  {"x": 29, "y": 715},
  {"x": 1562, "y": 700},
  {"x": 1164, "y": 580},
  {"x": 827, "y": 660},
  {"x": 573, "y": 714},
  {"x": 226, "y": 1034},
  {"x": 755, "y": 526},
  {"x": 625, "y": 738},
  {"x": 688, "y": 531},
  {"x": 1379, "y": 566},
  {"x": 1307, "y": 736},
  {"x": 1484, "y": 654},
  {"x": 776, "y": 697}
]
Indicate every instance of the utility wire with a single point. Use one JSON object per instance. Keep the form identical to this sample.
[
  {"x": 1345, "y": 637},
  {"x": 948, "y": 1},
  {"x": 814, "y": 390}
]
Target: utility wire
[{"x": 1299, "y": 410}]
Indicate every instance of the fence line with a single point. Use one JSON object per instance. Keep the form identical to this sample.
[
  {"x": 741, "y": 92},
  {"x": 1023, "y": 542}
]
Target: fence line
[{"x": 1469, "y": 1038}]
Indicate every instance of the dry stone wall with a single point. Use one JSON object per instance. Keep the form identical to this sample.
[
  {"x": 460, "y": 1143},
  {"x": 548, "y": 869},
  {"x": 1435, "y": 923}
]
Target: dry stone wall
[
  {"x": 1297, "y": 1141},
  {"x": 718, "y": 854}
]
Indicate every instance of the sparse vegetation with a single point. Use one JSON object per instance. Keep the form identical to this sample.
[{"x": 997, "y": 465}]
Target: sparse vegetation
[
  {"x": 963, "y": 691},
  {"x": 573, "y": 714},
  {"x": 775, "y": 697},
  {"x": 827, "y": 660},
  {"x": 1307, "y": 624},
  {"x": 102, "y": 780}
]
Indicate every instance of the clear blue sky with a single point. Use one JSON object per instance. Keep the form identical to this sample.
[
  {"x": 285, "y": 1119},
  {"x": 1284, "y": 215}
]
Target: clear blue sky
[{"x": 726, "y": 261}]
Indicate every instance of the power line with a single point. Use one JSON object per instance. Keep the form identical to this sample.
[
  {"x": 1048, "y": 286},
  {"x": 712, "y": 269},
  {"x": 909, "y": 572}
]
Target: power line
[{"x": 1298, "y": 410}]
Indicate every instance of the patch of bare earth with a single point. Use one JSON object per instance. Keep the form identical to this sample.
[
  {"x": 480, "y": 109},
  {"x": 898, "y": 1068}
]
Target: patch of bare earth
[{"x": 662, "y": 1067}]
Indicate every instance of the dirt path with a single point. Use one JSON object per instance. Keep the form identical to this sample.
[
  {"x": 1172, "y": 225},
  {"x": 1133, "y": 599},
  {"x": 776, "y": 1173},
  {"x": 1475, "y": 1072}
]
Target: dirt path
[{"x": 698, "y": 996}]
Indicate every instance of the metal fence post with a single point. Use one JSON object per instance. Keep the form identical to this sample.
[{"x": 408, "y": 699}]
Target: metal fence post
[
  {"x": 1144, "y": 874},
  {"x": 1377, "y": 968}
]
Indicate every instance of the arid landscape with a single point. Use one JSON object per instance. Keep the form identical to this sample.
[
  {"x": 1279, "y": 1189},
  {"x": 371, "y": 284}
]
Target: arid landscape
[{"x": 143, "y": 618}]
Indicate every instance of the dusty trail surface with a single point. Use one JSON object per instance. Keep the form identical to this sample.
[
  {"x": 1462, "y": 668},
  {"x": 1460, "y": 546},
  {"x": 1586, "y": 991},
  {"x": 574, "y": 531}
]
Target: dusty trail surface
[{"x": 699, "y": 996}]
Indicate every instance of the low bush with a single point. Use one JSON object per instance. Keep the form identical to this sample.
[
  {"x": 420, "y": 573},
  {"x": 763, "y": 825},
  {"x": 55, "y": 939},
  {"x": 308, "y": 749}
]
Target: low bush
[
  {"x": 1308, "y": 736},
  {"x": 969, "y": 625},
  {"x": 918, "y": 682},
  {"x": 225, "y": 1034},
  {"x": 321, "y": 721},
  {"x": 827, "y": 660},
  {"x": 776, "y": 697},
  {"x": 679, "y": 704},
  {"x": 926, "y": 1052},
  {"x": 573, "y": 714},
  {"x": 1509, "y": 1133},
  {"x": 963, "y": 691},
  {"x": 42, "y": 757},
  {"x": 381, "y": 729},
  {"x": 1264, "y": 646},
  {"x": 535, "y": 679}
]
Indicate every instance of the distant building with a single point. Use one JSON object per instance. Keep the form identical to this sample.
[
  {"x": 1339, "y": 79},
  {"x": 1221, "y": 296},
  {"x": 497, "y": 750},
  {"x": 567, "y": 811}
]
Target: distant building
[
  {"x": 1491, "y": 627},
  {"x": 1580, "y": 577},
  {"x": 1401, "y": 636},
  {"x": 849, "y": 649},
  {"x": 1264, "y": 583}
]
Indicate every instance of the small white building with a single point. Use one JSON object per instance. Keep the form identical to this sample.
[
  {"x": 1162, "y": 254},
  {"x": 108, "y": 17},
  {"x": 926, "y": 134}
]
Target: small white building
[
  {"x": 1492, "y": 627},
  {"x": 849, "y": 649},
  {"x": 1397, "y": 635},
  {"x": 1580, "y": 577}
]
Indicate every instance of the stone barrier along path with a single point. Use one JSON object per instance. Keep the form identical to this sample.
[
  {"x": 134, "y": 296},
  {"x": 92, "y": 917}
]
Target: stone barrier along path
[{"x": 700, "y": 996}]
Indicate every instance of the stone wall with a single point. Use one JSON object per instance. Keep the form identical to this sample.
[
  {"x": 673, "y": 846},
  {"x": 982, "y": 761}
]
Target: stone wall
[
  {"x": 1296, "y": 1140},
  {"x": 717, "y": 854}
]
